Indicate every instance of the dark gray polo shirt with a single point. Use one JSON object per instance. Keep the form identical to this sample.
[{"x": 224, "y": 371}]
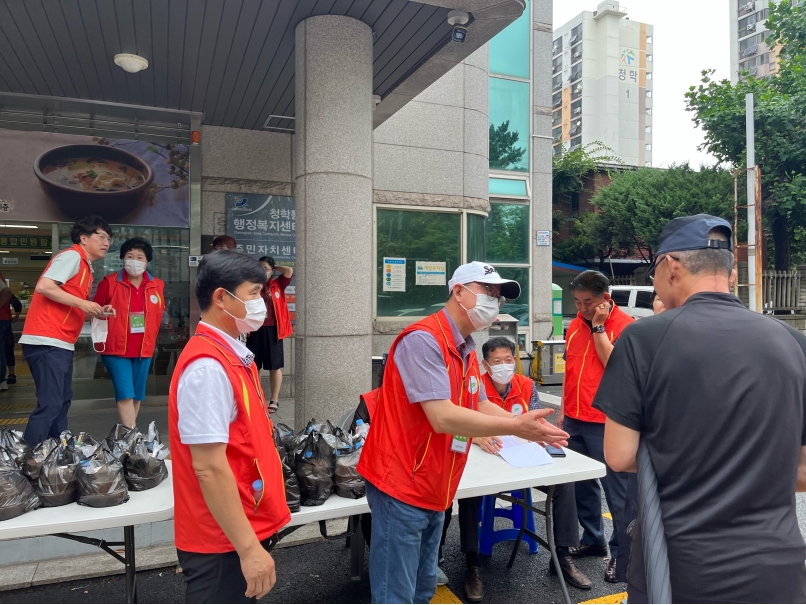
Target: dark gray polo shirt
[{"x": 718, "y": 394}]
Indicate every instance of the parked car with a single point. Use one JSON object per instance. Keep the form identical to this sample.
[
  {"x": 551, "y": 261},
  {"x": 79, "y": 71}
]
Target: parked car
[{"x": 635, "y": 301}]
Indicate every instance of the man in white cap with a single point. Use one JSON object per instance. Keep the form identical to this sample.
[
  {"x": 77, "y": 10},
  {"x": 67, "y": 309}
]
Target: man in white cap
[{"x": 432, "y": 402}]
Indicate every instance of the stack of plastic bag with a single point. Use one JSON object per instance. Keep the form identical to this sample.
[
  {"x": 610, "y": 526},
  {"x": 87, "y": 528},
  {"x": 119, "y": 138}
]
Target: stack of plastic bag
[
  {"x": 57, "y": 484},
  {"x": 349, "y": 483},
  {"x": 17, "y": 496},
  {"x": 145, "y": 466},
  {"x": 283, "y": 437},
  {"x": 101, "y": 481}
]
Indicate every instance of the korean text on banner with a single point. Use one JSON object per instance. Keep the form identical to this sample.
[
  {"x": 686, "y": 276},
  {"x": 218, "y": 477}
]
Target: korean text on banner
[
  {"x": 430, "y": 274},
  {"x": 394, "y": 274}
]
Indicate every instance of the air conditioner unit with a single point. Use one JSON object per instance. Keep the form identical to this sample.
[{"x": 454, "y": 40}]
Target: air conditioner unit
[
  {"x": 578, "y": 88},
  {"x": 751, "y": 50},
  {"x": 574, "y": 40},
  {"x": 749, "y": 6},
  {"x": 752, "y": 72},
  {"x": 576, "y": 56},
  {"x": 751, "y": 28},
  {"x": 577, "y": 111}
]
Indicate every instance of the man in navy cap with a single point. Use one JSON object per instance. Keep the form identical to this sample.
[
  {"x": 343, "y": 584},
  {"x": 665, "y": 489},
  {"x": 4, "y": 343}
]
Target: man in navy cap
[{"x": 717, "y": 394}]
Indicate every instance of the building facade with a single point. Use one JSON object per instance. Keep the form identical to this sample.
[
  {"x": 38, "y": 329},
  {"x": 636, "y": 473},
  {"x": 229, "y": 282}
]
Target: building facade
[
  {"x": 602, "y": 83},
  {"x": 748, "y": 49}
]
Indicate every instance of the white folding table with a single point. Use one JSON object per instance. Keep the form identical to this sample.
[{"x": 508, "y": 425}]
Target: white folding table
[{"x": 150, "y": 506}]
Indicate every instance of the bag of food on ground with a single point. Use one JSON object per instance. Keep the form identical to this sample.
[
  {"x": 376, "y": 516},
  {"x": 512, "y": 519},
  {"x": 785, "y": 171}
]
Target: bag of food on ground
[
  {"x": 289, "y": 476},
  {"x": 17, "y": 496},
  {"x": 315, "y": 471},
  {"x": 349, "y": 484},
  {"x": 57, "y": 478},
  {"x": 100, "y": 480},
  {"x": 32, "y": 464},
  {"x": 144, "y": 469},
  {"x": 15, "y": 445},
  {"x": 86, "y": 445}
]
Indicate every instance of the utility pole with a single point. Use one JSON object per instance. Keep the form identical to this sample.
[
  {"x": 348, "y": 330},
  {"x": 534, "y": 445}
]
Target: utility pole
[{"x": 751, "y": 202}]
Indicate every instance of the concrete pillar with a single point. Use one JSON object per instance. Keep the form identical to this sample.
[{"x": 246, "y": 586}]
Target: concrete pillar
[{"x": 333, "y": 176}]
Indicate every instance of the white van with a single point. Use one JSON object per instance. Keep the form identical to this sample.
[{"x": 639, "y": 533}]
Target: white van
[{"x": 635, "y": 301}]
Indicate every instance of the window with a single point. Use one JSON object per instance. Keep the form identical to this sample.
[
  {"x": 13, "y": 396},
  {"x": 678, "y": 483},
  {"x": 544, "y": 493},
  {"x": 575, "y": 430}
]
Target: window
[
  {"x": 519, "y": 308},
  {"x": 575, "y": 203},
  {"x": 647, "y": 164},
  {"x": 476, "y": 249},
  {"x": 576, "y": 72},
  {"x": 576, "y": 35},
  {"x": 576, "y": 128},
  {"x": 621, "y": 297},
  {"x": 415, "y": 236},
  {"x": 648, "y": 147},
  {"x": 557, "y": 99},
  {"x": 557, "y": 133},
  {"x": 649, "y": 75},
  {"x": 510, "y": 49},
  {"x": 507, "y": 187},
  {"x": 557, "y": 117},
  {"x": 557, "y": 64},
  {"x": 648, "y": 94},
  {"x": 648, "y": 129},
  {"x": 557, "y": 47},
  {"x": 509, "y": 120},
  {"x": 754, "y": 62},
  {"x": 575, "y": 142},
  {"x": 507, "y": 233},
  {"x": 649, "y": 39},
  {"x": 649, "y": 111},
  {"x": 748, "y": 43},
  {"x": 576, "y": 108},
  {"x": 576, "y": 91},
  {"x": 643, "y": 299},
  {"x": 747, "y": 25},
  {"x": 557, "y": 82},
  {"x": 649, "y": 58},
  {"x": 576, "y": 55}
]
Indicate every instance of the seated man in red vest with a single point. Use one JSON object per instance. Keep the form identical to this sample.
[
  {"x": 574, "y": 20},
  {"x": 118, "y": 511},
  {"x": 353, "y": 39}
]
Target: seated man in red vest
[
  {"x": 516, "y": 394},
  {"x": 228, "y": 483},
  {"x": 59, "y": 307},
  {"x": 431, "y": 403}
]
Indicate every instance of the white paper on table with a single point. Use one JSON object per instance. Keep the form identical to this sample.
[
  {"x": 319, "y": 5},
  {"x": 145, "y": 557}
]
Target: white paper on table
[{"x": 523, "y": 455}]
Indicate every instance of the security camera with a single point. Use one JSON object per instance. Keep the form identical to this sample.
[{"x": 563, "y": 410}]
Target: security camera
[{"x": 458, "y": 19}]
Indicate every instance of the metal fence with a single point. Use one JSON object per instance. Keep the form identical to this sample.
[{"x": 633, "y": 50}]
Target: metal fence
[
  {"x": 622, "y": 280},
  {"x": 781, "y": 291}
]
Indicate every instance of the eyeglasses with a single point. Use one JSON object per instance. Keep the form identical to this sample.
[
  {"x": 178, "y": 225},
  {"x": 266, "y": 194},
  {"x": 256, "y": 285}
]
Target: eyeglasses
[
  {"x": 104, "y": 237},
  {"x": 502, "y": 300},
  {"x": 651, "y": 276}
]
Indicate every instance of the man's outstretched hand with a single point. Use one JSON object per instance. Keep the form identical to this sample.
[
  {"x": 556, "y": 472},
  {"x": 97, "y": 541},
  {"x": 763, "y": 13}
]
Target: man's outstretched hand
[{"x": 534, "y": 427}]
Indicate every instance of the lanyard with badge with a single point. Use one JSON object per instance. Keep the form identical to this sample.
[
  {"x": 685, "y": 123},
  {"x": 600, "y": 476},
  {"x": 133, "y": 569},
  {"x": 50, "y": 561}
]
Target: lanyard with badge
[{"x": 459, "y": 443}]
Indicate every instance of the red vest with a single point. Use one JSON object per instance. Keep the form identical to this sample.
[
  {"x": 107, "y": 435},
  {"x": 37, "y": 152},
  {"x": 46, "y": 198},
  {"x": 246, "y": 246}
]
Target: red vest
[
  {"x": 404, "y": 457},
  {"x": 120, "y": 292},
  {"x": 583, "y": 368},
  {"x": 520, "y": 393},
  {"x": 251, "y": 454},
  {"x": 55, "y": 320},
  {"x": 281, "y": 316}
]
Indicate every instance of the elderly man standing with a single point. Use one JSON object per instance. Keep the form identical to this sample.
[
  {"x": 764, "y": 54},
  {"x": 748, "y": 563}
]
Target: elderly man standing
[
  {"x": 431, "y": 403},
  {"x": 589, "y": 343},
  {"x": 716, "y": 393}
]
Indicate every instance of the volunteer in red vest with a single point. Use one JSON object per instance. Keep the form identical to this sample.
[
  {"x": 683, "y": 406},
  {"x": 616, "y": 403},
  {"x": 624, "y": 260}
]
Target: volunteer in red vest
[
  {"x": 431, "y": 403},
  {"x": 229, "y": 494},
  {"x": 589, "y": 343},
  {"x": 516, "y": 394},
  {"x": 132, "y": 335},
  {"x": 267, "y": 341},
  {"x": 59, "y": 307}
]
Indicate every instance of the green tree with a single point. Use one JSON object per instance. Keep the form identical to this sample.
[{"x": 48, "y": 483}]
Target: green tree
[
  {"x": 632, "y": 211},
  {"x": 780, "y": 125},
  {"x": 505, "y": 153}
]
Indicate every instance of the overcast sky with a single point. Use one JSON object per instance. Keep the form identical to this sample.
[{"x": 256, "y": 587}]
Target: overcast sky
[{"x": 689, "y": 37}]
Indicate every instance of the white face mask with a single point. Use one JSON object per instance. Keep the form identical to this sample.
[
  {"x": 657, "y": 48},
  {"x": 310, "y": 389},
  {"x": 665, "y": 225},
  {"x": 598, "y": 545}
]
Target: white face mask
[
  {"x": 134, "y": 267},
  {"x": 484, "y": 313},
  {"x": 99, "y": 328},
  {"x": 255, "y": 314},
  {"x": 502, "y": 373}
]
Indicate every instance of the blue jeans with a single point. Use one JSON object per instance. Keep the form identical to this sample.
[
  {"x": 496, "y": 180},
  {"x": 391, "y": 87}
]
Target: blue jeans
[
  {"x": 587, "y": 438},
  {"x": 52, "y": 369},
  {"x": 5, "y": 328},
  {"x": 404, "y": 549}
]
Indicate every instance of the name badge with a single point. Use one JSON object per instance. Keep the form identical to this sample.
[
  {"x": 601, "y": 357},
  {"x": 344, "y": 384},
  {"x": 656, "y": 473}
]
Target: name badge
[
  {"x": 459, "y": 444},
  {"x": 137, "y": 323}
]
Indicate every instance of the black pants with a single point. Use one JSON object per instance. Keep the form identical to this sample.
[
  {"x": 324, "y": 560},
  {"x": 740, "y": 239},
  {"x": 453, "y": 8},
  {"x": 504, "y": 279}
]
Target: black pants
[
  {"x": 52, "y": 369},
  {"x": 215, "y": 578},
  {"x": 566, "y": 530}
]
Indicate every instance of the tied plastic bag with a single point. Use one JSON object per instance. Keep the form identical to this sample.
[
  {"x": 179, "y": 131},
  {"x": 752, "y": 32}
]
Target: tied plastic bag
[
  {"x": 315, "y": 471},
  {"x": 121, "y": 440},
  {"x": 16, "y": 447},
  {"x": 101, "y": 481},
  {"x": 57, "y": 484},
  {"x": 286, "y": 436},
  {"x": 292, "y": 495},
  {"x": 86, "y": 445},
  {"x": 17, "y": 496},
  {"x": 146, "y": 469},
  {"x": 349, "y": 484},
  {"x": 32, "y": 465}
]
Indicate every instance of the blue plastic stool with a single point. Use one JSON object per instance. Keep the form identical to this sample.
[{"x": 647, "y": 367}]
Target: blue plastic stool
[{"x": 488, "y": 536}]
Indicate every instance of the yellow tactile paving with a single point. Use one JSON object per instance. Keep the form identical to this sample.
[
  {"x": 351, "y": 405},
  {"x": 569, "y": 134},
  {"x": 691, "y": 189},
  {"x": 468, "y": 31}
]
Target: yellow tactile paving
[
  {"x": 611, "y": 598},
  {"x": 444, "y": 595}
]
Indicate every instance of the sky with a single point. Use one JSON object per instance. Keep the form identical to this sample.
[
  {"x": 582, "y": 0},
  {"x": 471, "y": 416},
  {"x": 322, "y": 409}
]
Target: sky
[{"x": 687, "y": 39}]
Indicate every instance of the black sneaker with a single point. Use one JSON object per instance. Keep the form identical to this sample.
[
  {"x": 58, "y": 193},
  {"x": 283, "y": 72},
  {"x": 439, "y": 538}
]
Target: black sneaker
[{"x": 12, "y": 379}]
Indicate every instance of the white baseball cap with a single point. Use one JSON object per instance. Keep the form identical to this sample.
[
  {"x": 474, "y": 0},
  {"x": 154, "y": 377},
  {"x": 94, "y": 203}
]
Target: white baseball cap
[{"x": 482, "y": 273}]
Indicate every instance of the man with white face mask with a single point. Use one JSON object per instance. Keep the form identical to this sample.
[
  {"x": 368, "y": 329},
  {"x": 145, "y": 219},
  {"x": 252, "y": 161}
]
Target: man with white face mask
[
  {"x": 228, "y": 482},
  {"x": 131, "y": 335},
  {"x": 430, "y": 405}
]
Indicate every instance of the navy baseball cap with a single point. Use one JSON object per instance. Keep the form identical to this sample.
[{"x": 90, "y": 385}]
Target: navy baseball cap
[{"x": 691, "y": 233}]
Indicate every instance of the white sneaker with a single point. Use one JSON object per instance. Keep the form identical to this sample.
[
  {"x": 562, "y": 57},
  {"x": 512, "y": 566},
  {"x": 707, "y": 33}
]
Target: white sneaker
[
  {"x": 442, "y": 577},
  {"x": 3, "y": 386}
]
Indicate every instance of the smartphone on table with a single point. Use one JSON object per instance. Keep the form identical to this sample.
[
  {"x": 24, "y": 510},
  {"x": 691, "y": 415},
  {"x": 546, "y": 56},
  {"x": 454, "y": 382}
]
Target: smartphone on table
[{"x": 555, "y": 452}]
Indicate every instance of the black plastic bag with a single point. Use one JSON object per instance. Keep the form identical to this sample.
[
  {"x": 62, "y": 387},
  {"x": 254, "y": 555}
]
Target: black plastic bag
[
  {"x": 86, "y": 445},
  {"x": 315, "y": 469},
  {"x": 32, "y": 464},
  {"x": 17, "y": 496},
  {"x": 16, "y": 447},
  {"x": 57, "y": 484},
  {"x": 350, "y": 484},
  {"x": 121, "y": 440},
  {"x": 292, "y": 496},
  {"x": 286, "y": 436},
  {"x": 145, "y": 469},
  {"x": 101, "y": 481}
]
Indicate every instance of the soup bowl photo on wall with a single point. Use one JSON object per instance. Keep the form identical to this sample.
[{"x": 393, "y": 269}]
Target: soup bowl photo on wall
[{"x": 93, "y": 179}]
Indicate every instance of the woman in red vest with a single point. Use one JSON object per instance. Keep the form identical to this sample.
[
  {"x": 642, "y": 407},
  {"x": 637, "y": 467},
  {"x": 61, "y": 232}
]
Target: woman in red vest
[
  {"x": 267, "y": 341},
  {"x": 139, "y": 300}
]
